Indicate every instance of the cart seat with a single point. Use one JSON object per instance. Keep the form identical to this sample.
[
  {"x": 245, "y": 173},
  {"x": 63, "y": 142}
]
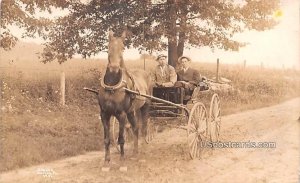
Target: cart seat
[{"x": 171, "y": 94}]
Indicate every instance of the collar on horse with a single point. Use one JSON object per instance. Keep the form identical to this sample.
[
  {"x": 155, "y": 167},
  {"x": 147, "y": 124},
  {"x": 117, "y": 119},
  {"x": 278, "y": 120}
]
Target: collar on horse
[{"x": 121, "y": 84}]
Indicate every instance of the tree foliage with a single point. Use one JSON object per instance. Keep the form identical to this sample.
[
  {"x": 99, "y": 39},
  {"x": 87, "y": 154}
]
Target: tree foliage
[
  {"x": 24, "y": 14},
  {"x": 153, "y": 26}
]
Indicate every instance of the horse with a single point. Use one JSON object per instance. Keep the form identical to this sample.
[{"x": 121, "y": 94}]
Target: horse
[{"x": 114, "y": 100}]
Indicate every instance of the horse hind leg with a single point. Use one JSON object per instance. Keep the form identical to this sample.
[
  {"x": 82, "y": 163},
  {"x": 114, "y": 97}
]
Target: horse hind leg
[
  {"x": 121, "y": 141},
  {"x": 144, "y": 118},
  {"x": 132, "y": 118}
]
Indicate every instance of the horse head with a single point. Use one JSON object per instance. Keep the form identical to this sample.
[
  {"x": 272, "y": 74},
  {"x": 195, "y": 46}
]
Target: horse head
[
  {"x": 113, "y": 78},
  {"x": 115, "y": 52}
]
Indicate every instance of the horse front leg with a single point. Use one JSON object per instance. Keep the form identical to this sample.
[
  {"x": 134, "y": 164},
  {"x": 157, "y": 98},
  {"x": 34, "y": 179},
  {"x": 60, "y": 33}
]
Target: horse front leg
[
  {"x": 121, "y": 141},
  {"x": 132, "y": 118},
  {"x": 106, "y": 126}
]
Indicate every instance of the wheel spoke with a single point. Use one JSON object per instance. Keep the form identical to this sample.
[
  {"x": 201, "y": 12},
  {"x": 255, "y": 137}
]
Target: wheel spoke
[
  {"x": 218, "y": 119},
  {"x": 197, "y": 113},
  {"x": 192, "y": 140},
  {"x": 203, "y": 125},
  {"x": 192, "y": 144},
  {"x": 202, "y": 130},
  {"x": 199, "y": 150},
  {"x": 193, "y": 127},
  {"x": 215, "y": 118},
  {"x": 194, "y": 147},
  {"x": 213, "y": 130},
  {"x": 201, "y": 120},
  {"x": 193, "y": 121},
  {"x": 218, "y": 127}
]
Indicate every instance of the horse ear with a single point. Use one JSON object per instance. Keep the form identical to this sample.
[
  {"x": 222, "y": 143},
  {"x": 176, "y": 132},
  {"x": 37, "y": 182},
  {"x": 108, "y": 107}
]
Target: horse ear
[
  {"x": 124, "y": 34},
  {"x": 110, "y": 34}
]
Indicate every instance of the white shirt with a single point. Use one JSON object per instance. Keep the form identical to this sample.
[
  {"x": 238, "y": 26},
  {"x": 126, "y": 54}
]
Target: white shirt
[{"x": 162, "y": 70}]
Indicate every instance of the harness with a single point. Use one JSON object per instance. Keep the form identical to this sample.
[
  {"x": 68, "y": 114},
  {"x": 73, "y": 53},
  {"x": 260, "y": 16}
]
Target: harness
[
  {"x": 129, "y": 86},
  {"x": 121, "y": 84}
]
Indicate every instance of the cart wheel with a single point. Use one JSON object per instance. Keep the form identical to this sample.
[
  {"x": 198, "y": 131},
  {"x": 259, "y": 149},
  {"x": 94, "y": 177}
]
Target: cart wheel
[
  {"x": 128, "y": 134},
  {"x": 151, "y": 132},
  {"x": 197, "y": 129},
  {"x": 215, "y": 118}
]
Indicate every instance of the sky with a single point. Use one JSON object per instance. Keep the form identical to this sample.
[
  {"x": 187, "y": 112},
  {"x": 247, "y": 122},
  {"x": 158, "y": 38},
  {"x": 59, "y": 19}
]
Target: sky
[{"x": 275, "y": 48}]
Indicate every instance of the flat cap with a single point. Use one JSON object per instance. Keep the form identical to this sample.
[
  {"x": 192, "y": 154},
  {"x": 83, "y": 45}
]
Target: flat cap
[
  {"x": 160, "y": 56},
  {"x": 182, "y": 57}
]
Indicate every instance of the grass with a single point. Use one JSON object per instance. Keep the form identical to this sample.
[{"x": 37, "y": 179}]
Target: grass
[{"x": 36, "y": 129}]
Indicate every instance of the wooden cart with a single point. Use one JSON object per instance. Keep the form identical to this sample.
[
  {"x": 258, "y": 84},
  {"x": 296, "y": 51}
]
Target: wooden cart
[{"x": 199, "y": 116}]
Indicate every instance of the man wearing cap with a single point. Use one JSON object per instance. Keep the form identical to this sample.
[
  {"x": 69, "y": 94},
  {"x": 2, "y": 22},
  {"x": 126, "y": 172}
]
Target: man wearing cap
[
  {"x": 165, "y": 75},
  {"x": 188, "y": 77}
]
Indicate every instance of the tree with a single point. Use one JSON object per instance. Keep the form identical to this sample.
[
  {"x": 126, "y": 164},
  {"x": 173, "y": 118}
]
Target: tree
[
  {"x": 164, "y": 25},
  {"x": 23, "y": 14}
]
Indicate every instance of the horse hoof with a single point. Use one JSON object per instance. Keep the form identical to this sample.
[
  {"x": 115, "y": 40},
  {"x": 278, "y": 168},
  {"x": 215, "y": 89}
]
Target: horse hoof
[
  {"x": 105, "y": 169},
  {"x": 123, "y": 168}
]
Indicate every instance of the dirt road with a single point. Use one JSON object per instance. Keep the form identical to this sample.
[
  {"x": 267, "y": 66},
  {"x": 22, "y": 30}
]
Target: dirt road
[{"x": 166, "y": 158}]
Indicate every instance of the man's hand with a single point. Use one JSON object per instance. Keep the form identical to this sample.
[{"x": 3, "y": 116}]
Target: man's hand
[
  {"x": 184, "y": 82},
  {"x": 158, "y": 83}
]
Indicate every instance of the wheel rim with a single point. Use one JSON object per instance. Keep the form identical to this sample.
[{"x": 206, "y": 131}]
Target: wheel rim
[
  {"x": 215, "y": 118},
  {"x": 151, "y": 131},
  {"x": 197, "y": 130}
]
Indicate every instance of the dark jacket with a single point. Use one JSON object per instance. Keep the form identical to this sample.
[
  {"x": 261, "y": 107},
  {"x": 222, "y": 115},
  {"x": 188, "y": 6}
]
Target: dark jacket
[{"x": 190, "y": 75}]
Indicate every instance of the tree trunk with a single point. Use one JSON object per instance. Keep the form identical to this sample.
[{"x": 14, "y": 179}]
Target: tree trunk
[
  {"x": 172, "y": 53},
  {"x": 172, "y": 34},
  {"x": 180, "y": 46},
  {"x": 182, "y": 28}
]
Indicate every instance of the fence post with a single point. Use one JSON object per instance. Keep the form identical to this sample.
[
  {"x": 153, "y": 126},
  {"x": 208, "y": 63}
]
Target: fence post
[
  {"x": 217, "y": 74},
  {"x": 62, "y": 88},
  {"x": 245, "y": 64}
]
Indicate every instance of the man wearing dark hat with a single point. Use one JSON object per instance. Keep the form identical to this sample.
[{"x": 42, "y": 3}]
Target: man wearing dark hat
[
  {"x": 188, "y": 77},
  {"x": 165, "y": 75}
]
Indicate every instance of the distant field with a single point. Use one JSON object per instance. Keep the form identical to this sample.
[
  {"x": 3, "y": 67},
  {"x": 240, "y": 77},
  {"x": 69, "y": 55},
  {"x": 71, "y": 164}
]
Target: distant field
[{"x": 35, "y": 128}]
